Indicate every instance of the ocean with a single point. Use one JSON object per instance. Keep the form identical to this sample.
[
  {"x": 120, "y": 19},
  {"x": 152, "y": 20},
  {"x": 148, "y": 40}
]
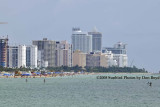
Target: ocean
[{"x": 80, "y": 91}]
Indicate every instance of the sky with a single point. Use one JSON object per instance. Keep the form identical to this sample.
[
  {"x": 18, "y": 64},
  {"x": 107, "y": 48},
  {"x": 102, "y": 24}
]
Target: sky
[{"x": 134, "y": 22}]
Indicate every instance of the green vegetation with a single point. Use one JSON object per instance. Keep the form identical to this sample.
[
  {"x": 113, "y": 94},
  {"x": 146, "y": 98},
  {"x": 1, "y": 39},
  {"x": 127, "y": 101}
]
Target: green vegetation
[
  {"x": 14, "y": 69},
  {"x": 98, "y": 69},
  {"x": 116, "y": 69},
  {"x": 78, "y": 68}
]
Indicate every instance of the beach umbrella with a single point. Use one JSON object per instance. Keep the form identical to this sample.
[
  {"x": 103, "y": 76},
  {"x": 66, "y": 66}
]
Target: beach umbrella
[
  {"x": 37, "y": 73},
  {"x": 6, "y": 74}
]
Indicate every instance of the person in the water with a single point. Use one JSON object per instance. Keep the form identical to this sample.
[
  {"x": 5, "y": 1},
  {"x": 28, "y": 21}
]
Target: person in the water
[
  {"x": 150, "y": 84},
  {"x": 44, "y": 80}
]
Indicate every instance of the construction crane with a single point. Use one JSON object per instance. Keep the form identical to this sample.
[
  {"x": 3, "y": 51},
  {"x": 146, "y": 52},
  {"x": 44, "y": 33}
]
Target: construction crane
[
  {"x": 3, "y": 22},
  {"x": 132, "y": 63}
]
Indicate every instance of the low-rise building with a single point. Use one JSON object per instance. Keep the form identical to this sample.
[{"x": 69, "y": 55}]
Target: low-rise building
[
  {"x": 119, "y": 54},
  {"x": 96, "y": 60},
  {"x": 79, "y": 58}
]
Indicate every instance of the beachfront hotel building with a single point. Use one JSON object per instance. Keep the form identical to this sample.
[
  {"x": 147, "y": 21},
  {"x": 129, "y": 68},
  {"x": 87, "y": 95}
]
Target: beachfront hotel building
[
  {"x": 110, "y": 59},
  {"x": 63, "y": 54},
  {"x": 3, "y": 51},
  {"x": 81, "y": 40},
  {"x": 122, "y": 60},
  {"x": 79, "y": 58},
  {"x": 119, "y": 48},
  {"x": 93, "y": 59},
  {"x": 119, "y": 53},
  {"x": 46, "y": 52},
  {"x": 17, "y": 56},
  {"x": 96, "y": 40},
  {"x": 96, "y": 60},
  {"x": 31, "y": 56}
]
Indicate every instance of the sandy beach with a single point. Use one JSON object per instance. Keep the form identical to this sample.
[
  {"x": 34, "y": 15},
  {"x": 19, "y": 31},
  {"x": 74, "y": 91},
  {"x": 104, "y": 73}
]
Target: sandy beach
[{"x": 73, "y": 74}]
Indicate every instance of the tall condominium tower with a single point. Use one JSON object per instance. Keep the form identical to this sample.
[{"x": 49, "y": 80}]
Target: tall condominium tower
[
  {"x": 3, "y": 51},
  {"x": 96, "y": 40},
  {"x": 46, "y": 52},
  {"x": 63, "y": 53},
  {"x": 17, "y": 56},
  {"x": 13, "y": 56},
  {"x": 31, "y": 56},
  {"x": 81, "y": 40}
]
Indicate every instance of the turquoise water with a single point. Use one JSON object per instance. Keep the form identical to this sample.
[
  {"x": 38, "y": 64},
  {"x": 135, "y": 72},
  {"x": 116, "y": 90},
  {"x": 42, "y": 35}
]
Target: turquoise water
[{"x": 79, "y": 91}]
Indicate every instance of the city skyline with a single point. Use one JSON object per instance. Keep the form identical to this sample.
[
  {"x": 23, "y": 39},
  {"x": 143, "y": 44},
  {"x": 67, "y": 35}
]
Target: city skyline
[{"x": 133, "y": 22}]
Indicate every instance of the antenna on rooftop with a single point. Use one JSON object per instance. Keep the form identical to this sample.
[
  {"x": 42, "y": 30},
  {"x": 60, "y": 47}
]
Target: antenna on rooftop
[{"x": 95, "y": 29}]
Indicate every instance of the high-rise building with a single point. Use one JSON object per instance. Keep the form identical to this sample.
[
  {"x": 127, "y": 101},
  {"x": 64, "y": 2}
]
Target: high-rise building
[
  {"x": 96, "y": 40},
  {"x": 17, "y": 56},
  {"x": 46, "y": 52},
  {"x": 3, "y": 51},
  {"x": 21, "y": 56},
  {"x": 119, "y": 53},
  {"x": 31, "y": 56},
  {"x": 81, "y": 40},
  {"x": 13, "y": 56},
  {"x": 63, "y": 54}
]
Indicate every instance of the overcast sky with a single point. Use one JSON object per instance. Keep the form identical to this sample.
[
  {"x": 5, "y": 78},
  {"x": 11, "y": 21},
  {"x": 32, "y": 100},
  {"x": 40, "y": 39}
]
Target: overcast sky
[{"x": 134, "y": 22}]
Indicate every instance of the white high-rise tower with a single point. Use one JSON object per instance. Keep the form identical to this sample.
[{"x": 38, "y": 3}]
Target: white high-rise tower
[{"x": 81, "y": 40}]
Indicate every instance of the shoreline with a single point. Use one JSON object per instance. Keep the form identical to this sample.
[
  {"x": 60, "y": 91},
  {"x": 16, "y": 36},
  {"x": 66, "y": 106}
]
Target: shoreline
[{"x": 64, "y": 75}]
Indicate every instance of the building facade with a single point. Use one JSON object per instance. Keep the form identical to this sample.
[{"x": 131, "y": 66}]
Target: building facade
[
  {"x": 3, "y": 51},
  {"x": 81, "y": 40},
  {"x": 96, "y": 60},
  {"x": 122, "y": 60},
  {"x": 79, "y": 58},
  {"x": 119, "y": 54},
  {"x": 22, "y": 56},
  {"x": 63, "y": 54},
  {"x": 119, "y": 48},
  {"x": 96, "y": 41},
  {"x": 13, "y": 56},
  {"x": 46, "y": 52},
  {"x": 111, "y": 59},
  {"x": 31, "y": 56},
  {"x": 92, "y": 60},
  {"x": 17, "y": 56}
]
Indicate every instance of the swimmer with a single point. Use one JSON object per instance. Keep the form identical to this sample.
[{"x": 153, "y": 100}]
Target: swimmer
[
  {"x": 44, "y": 80},
  {"x": 150, "y": 84}
]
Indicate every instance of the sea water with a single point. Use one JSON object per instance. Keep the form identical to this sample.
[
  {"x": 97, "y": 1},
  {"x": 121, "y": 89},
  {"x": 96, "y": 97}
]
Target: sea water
[{"x": 79, "y": 91}]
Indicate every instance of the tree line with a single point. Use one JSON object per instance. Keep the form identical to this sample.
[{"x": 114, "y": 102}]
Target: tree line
[{"x": 77, "y": 68}]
